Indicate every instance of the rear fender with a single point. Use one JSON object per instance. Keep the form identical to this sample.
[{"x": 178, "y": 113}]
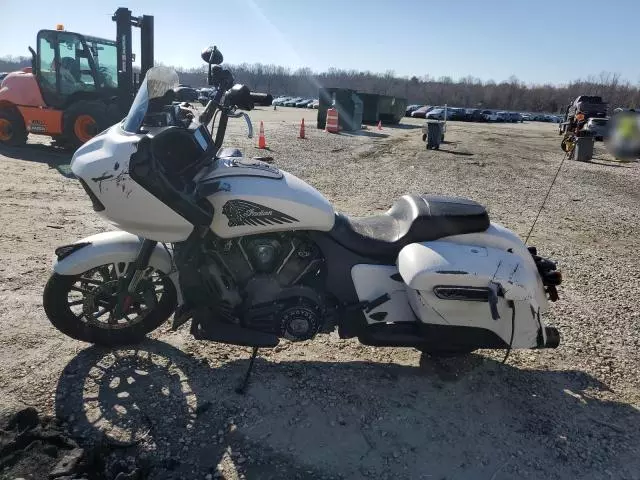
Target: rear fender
[{"x": 110, "y": 247}]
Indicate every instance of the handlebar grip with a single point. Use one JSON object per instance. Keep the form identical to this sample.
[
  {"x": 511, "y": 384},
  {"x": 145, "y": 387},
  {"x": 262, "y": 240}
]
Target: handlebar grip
[{"x": 261, "y": 99}]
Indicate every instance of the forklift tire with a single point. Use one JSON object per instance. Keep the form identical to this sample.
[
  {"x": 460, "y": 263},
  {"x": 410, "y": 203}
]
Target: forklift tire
[
  {"x": 12, "y": 129},
  {"x": 83, "y": 120}
]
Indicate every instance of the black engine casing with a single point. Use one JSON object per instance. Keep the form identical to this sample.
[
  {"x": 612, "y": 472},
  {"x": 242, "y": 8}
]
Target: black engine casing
[{"x": 275, "y": 279}]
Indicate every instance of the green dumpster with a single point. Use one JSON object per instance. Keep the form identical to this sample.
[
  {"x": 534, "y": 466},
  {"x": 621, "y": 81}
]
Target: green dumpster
[{"x": 348, "y": 104}]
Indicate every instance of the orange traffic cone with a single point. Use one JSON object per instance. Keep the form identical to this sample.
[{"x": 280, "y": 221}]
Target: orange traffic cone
[
  {"x": 301, "y": 129},
  {"x": 379, "y": 124},
  {"x": 262, "y": 142}
]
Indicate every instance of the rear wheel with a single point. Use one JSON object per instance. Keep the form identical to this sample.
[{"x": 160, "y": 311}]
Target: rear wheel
[
  {"x": 83, "y": 120},
  {"x": 12, "y": 129},
  {"x": 84, "y": 306}
]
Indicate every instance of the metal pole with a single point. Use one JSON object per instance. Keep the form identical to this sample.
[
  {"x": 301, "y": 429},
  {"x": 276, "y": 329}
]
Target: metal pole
[
  {"x": 122, "y": 17},
  {"x": 146, "y": 45}
]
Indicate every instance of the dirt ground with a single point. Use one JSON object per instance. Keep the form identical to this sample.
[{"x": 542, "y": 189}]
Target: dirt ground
[{"x": 332, "y": 408}]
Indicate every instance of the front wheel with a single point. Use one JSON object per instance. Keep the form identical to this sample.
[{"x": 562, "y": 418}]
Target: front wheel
[
  {"x": 12, "y": 129},
  {"x": 84, "y": 307},
  {"x": 83, "y": 120}
]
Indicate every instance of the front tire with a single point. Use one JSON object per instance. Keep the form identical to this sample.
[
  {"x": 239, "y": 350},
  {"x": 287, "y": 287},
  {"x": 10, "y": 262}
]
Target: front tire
[
  {"x": 83, "y": 120},
  {"x": 12, "y": 129},
  {"x": 83, "y": 306}
]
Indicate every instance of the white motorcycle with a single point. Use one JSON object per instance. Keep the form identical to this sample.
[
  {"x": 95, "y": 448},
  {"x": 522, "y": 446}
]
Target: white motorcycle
[{"x": 251, "y": 254}]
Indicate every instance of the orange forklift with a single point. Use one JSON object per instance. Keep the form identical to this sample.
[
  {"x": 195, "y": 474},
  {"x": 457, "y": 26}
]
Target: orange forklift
[{"x": 77, "y": 85}]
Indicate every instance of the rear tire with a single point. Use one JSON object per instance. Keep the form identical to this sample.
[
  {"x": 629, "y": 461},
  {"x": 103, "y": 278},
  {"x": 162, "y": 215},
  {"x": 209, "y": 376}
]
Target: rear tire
[
  {"x": 75, "y": 317},
  {"x": 13, "y": 132},
  {"x": 83, "y": 120}
]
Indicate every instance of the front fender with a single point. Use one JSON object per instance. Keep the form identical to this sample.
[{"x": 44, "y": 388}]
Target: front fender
[
  {"x": 111, "y": 247},
  {"x": 108, "y": 247}
]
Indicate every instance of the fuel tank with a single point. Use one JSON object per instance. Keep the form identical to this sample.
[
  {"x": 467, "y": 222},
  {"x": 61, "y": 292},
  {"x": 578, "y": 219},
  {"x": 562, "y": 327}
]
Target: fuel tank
[{"x": 251, "y": 197}]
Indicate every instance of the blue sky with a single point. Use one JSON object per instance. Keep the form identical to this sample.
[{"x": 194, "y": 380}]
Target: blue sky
[{"x": 536, "y": 40}]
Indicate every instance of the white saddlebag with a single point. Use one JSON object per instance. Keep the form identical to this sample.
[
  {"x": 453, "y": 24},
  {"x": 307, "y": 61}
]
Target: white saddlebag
[{"x": 472, "y": 286}]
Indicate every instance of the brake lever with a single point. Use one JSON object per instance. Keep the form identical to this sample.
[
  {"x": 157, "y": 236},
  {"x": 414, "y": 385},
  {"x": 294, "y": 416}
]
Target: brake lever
[
  {"x": 246, "y": 119},
  {"x": 249, "y": 125}
]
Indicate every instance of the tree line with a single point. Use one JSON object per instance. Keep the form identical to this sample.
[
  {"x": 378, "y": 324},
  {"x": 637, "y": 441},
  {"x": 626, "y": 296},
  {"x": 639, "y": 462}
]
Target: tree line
[{"x": 469, "y": 91}]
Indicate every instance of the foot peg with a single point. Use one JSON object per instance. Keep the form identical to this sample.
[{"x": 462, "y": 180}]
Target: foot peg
[{"x": 233, "y": 334}]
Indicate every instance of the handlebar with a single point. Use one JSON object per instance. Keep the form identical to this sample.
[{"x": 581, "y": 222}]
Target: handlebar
[
  {"x": 226, "y": 102},
  {"x": 263, "y": 99}
]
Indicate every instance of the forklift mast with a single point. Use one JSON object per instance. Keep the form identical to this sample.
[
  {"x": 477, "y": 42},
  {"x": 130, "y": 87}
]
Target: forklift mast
[{"x": 127, "y": 83}]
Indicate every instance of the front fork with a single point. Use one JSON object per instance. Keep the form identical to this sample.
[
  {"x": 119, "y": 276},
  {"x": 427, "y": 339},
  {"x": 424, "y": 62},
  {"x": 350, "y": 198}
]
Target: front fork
[{"x": 129, "y": 282}]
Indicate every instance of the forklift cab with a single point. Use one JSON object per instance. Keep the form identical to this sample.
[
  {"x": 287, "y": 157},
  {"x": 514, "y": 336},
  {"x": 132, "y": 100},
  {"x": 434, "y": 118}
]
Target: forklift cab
[
  {"x": 77, "y": 85},
  {"x": 69, "y": 64}
]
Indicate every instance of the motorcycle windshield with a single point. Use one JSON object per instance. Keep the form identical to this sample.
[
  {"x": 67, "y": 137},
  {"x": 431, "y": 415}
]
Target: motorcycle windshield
[{"x": 157, "y": 82}]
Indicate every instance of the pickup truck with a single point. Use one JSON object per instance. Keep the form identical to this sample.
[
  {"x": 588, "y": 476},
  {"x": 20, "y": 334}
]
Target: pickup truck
[{"x": 589, "y": 106}]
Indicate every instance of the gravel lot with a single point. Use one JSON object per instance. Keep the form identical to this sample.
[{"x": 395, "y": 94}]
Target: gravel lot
[{"x": 331, "y": 408}]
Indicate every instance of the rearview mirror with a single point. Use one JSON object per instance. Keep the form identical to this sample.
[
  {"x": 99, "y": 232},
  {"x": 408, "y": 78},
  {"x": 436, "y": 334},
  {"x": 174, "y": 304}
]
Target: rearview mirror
[
  {"x": 240, "y": 96},
  {"x": 212, "y": 56}
]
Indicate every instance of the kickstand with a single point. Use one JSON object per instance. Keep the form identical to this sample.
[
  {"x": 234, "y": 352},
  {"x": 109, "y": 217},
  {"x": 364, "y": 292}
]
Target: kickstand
[{"x": 242, "y": 388}]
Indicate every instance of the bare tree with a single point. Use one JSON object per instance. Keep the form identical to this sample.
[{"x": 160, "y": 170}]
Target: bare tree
[{"x": 468, "y": 91}]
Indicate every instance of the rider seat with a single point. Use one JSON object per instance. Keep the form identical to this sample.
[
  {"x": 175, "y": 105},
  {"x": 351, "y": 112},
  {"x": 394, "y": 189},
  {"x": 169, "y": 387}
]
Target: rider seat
[{"x": 412, "y": 218}]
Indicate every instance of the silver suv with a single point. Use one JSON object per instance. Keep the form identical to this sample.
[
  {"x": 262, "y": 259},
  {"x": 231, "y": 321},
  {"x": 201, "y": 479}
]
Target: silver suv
[{"x": 597, "y": 127}]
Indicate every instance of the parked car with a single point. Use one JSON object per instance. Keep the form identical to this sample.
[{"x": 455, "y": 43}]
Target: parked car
[
  {"x": 473, "y": 115},
  {"x": 454, "y": 113},
  {"x": 304, "y": 102},
  {"x": 598, "y": 127},
  {"x": 435, "y": 114},
  {"x": 527, "y": 117},
  {"x": 205, "y": 94},
  {"x": 421, "y": 112},
  {"x": 503, "y": 116},
  {"x": 186, "y": 94},
  {"x": 411, "y": 109},
  {"x": 515, "y": 117},
  {"x": 280, "y": 101},
  {"x": 489, "y": 116},
  {"x": 292, "y": 102},
  {"x": 315, "y": 104},
  {"x": 591, "y": 106}
]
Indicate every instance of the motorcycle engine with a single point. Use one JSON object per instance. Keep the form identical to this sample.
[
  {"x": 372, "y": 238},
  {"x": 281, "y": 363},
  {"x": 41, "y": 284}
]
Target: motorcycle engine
[{"x": 277, "y": 279}]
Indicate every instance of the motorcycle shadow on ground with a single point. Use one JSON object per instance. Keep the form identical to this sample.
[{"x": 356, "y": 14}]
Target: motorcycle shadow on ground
[
  {"x": 462, "y": 418},
  {"x": 55, "y": 157}
]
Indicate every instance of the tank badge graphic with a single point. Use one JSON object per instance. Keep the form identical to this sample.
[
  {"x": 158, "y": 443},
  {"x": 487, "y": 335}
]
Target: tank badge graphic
[{"x": 241, "y": 212}]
